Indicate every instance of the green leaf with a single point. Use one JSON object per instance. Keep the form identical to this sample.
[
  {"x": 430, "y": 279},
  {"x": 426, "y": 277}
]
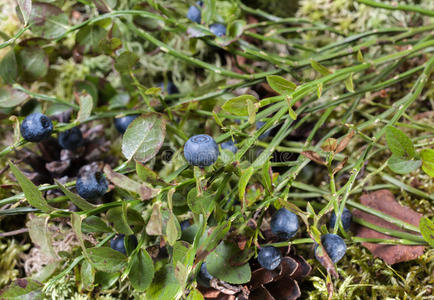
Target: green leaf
[
  {"x": 126, "y": 61},
  {"x": 209, "y": 11},
  {"x": 238, "y": 105},
  {"x": 128, "y": 184},
  {"x": 399, "y": 143},
  {"x": 8, "y": 67},
  {"x": 280, "y": 84},
  {"x": 33, "y": 62},
  {"x": 94, "y": 224},
  {"x": 173, "y": 230},
  {"x": 10, "y": 97},
  {"x": 144, "y": 137},
  {"x": 202, "y": 204},
  {"x": 242, "y": 183},
  {"x": 108, "y": 46},
  {"x": 118, "y": 217},
  {"x": 360, "y": 56},
  {"x": 148, "y": 175},
  {"x": 48, "y": 21},
  {"x": 195, "y": 295},
  {"x": 86, "y": 105},
  {"x": 319, "y": 88},
  {"x": 235, "y": 29},
  {"x": 155, "y": 223},
  {"x": 251, "y": 110},
  {"x": 349, "y": 83},
  {"x": 224, "y": 263},
  {"x": 266, "y": 174},
  {"x": 106, "y": 259},
  {"x": 41, "y": 236},
  {"x": 292, "y": 113},
  {"x": 76, "y": 222},
  {"x": 89, "y": 37},
  {"x": 426, "y": 227},
  {"x": 403, "y": 166},
  {"x": 76, "y": 199},
  {"x": 319, "y": 68},
  {"x": 25, "y": 7},
  {"x": 427, "y": 156},
  {"x": 22, "y": 289},
  {"x": 33, "y": 195},
  {"x": 164, "y": 285},
  {"x": 106, "y": 280},
  {"x": 181, "y": 253},
  {"x": 142, "y": 271},
  {"x": 87, "y": 274}
]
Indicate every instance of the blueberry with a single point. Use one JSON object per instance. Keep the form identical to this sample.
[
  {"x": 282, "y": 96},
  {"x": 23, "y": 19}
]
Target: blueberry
[
  {"x": 194, "y": 13},
  {"x": 36, "y": 127},
  {"x": 345, "y": 218},
  {"x": 91, "y": 185},
  {"x": 201, "y": 150},
  {"x": 218, "y": 29},
  {"x": 71, "y": 139},
  {"x": 229, "y": 145},
  {"x": 284, "y": 223},
  {"x": 269, "y": 258},
  {"x": 184, "y": 225},
  {"x": 334, "y": 245},
  {"x": 171, "y": 88},
  {"x": 204, "y": 275},
  {"x": 122, "y": 123},
  {"x": 266, "y": 134},
  {"x": 118, "y": 243}
]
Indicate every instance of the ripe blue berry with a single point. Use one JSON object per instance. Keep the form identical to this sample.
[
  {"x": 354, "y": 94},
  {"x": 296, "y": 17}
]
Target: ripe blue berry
[
  {"x": 170, "y": 88},
  {"x": 201, "y": 150},
  {"x": 194, "y": 13},
  {"x": 345, "y": 218},
  {"x": 204, "y": 275},
  {"x": 334, "y": 245},
  {"x": 71, "y": 139},
  {"x": 118, "y": 243},
  {"x": 269, "y": 258},
  {"x": 229, "y": 145},
  {"x": 284, "y": 223},
  {"x": 122, "y": 123},
  {"x": 184, "y": 225},
  {"x": 36, "y": 127},
  {"x": 218, "y": 29},
  {"x": 91, "y": 185}
]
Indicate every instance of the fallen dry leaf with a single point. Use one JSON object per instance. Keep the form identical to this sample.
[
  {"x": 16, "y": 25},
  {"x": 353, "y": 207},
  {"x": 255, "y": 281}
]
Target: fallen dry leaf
[{"x": 384, "y": 201}]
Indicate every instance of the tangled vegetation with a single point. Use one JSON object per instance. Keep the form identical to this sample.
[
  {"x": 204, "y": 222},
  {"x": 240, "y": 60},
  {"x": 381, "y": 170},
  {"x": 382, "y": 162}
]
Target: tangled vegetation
[{"x": 316, "y": 106}]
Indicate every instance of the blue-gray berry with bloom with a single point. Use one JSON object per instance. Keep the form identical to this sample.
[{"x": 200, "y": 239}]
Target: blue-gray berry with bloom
[
  {"x": 36, "y": 127},
  {"x": 229, "y": 145},
  {"x": 122, "y": 123},
  {"x": 201, "y": 150},
  {"x": 218, "y": 29},
  {"x": 91, "y": 186},
  {"x": 269, "y": 257},
  {"x": 334, "y": 245},
  {"x": 170, "y": 88},
  {"x": 345, "y": 218},
  {"x": 118, "y": 243},
  {"x": 194, "y": 13},
  {"x": 71, "y": 139},
  {"x": 284, "y": 223},
  {"x": 204, "y": 276}
]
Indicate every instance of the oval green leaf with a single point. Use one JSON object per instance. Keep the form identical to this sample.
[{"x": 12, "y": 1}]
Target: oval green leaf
[{"x": 144, "y": 137}]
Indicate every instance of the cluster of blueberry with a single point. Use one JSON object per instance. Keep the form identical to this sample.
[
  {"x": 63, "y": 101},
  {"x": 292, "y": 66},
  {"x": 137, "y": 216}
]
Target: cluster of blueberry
[{"x": 195, "y": 15}]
